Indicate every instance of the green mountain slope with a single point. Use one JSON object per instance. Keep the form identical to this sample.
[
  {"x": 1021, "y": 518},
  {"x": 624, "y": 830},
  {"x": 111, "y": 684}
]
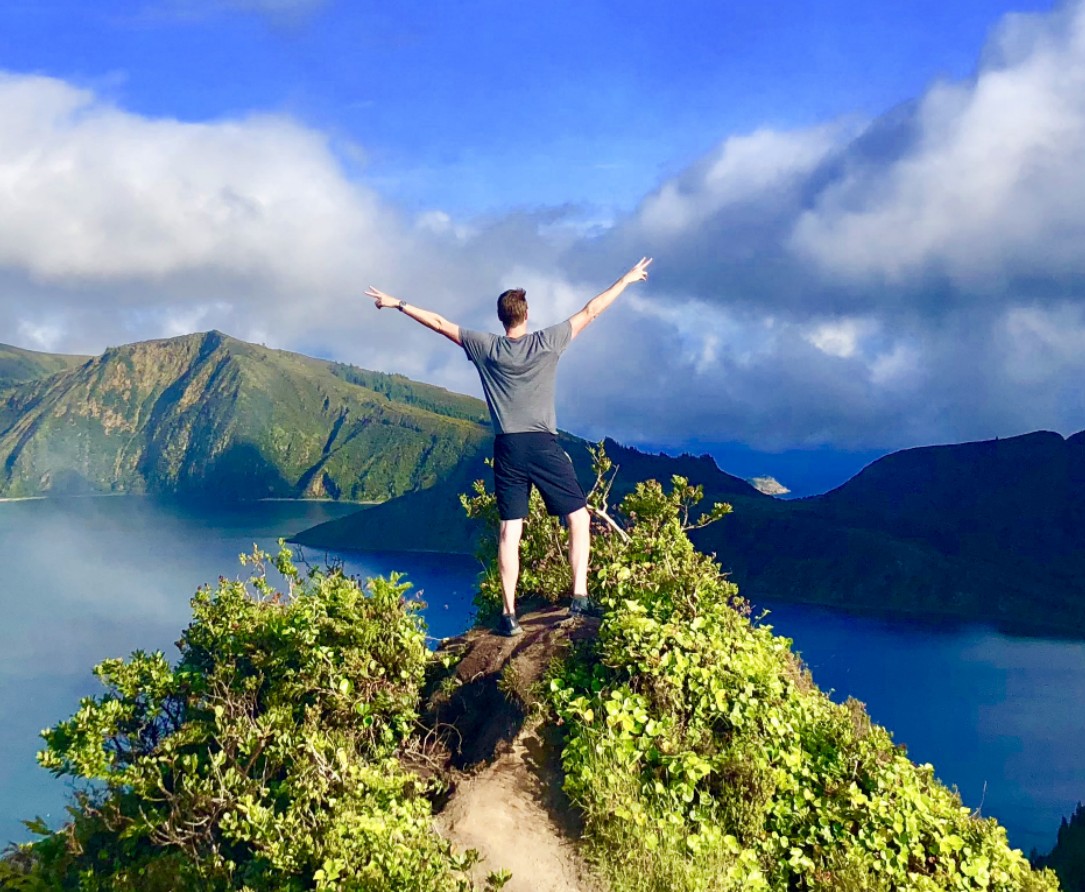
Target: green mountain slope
[
  {"x": 210, "y": 415},
  {"x": 433, "y": 520},
  {"x": 18, "y": 366},
  {"x": 992, "y": 530}
]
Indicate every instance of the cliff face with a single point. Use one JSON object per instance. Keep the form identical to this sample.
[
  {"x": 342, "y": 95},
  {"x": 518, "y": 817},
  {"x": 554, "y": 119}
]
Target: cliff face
[{"x": 209, "y": 415}]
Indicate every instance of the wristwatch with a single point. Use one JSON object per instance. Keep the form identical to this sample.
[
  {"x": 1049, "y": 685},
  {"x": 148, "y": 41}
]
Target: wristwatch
[{"x": 401, "y": 306}]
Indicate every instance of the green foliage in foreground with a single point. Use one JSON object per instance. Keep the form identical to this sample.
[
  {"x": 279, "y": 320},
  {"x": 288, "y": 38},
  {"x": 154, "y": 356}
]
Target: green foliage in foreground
[
  {"x": 1067, "y": 859},
  {"x": 265, "y": 759},
  {"x": 703, "y": 756}
]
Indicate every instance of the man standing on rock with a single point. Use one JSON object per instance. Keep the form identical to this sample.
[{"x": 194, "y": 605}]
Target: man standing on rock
[{"x": 518, "y": 371}]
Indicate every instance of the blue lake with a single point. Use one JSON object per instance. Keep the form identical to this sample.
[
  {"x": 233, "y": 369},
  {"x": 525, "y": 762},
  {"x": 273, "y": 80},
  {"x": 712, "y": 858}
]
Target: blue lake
[{"x": 1000, "y": 718}]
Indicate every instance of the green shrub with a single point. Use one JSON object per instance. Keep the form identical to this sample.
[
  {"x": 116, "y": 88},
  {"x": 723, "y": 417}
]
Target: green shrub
[
  {"x": 265, "y": 759},
  {"x": 702, "y": 755}
]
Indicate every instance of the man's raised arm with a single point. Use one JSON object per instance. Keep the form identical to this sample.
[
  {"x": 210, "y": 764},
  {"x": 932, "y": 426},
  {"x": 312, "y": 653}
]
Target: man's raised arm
[
  {"x": 601, "y": 301},
  {"x": 432, "y": 321}
]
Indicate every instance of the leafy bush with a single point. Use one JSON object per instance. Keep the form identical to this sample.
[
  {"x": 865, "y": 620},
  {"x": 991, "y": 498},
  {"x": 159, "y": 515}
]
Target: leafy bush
[
  {"x": 702, "y": 754},
  {"x": 265, "y": 759}
]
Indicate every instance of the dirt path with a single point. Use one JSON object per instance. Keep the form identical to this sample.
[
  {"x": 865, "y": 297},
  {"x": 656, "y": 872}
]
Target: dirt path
[
  {"x": 507, "y": 801},
  {"x": 501, "y": 812}
]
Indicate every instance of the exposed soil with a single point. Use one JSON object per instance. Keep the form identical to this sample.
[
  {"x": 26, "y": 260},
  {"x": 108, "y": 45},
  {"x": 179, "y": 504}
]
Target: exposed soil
[{"x": 504, "y": 770}]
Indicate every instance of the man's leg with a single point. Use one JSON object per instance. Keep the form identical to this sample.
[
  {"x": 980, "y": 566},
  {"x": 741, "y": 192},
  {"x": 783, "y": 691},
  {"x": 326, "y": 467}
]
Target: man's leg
[
  {"x": 508, "y": 560},
  {"x": 579, "y": 548}
]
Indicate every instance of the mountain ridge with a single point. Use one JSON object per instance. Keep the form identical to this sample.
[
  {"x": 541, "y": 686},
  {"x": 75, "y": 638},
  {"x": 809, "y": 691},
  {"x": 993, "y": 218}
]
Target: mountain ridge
[
  {"x": 991, "y": 530},
  {"x": 19, "y": 365},
  {"x": 209, "y": 415}
]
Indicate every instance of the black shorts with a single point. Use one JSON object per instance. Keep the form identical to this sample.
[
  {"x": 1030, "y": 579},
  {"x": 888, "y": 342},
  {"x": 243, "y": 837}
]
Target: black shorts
[{"x": 534, "y": 457}]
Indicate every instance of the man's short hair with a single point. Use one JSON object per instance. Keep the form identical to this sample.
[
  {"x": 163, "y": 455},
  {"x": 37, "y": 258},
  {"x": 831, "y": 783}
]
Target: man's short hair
[{"x": 512, "y": 307}]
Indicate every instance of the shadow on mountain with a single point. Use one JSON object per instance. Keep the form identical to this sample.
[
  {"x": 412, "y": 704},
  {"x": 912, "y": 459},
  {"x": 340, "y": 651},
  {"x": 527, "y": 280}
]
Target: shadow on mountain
[{"x": 241, "y": 472}]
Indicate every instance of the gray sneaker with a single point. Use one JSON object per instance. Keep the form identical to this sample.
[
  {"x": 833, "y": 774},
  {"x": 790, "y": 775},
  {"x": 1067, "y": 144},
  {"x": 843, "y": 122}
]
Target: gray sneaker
[{"x": 508, "y": 626}]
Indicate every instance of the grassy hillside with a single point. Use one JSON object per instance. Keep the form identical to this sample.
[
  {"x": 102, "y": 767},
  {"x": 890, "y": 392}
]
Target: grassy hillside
[
  {"x": 18, "y": 366},
  {"x": 210, "y": 415}
]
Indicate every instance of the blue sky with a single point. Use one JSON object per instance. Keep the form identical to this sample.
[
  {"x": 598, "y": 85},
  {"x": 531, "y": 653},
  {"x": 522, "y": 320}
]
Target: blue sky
[
  {"x": 865, "y": 216},
  {"x": 474, "y": 107}
]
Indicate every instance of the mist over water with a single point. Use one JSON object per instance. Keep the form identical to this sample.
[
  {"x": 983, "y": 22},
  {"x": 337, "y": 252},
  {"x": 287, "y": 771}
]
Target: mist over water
[
  {"x": 87, "y": 579},
  {"x": 92, "y": 578}
]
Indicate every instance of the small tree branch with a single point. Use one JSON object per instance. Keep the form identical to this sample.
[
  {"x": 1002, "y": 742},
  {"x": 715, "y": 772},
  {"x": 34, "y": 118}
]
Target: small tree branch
[{"x": 602, "y": 514}]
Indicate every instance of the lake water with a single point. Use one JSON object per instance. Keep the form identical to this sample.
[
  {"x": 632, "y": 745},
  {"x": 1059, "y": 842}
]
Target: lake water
[{"x": 85, "y": 579}]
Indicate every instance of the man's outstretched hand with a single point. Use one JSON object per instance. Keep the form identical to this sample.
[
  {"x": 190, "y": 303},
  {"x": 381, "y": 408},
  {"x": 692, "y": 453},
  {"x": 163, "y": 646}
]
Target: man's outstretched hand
[
  {"x": 380, "y": 299},
  {"x": 638, "y": 273},
  {"x": 595, "y": 306}
]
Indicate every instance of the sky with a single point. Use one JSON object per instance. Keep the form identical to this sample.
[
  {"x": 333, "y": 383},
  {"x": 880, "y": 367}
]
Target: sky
[{"x": 866, "y": 217}]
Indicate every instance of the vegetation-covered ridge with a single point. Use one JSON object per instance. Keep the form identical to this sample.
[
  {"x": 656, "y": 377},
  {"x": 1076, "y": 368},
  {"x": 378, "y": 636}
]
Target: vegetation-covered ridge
[
  {"x": 395, "y": 522},
  {"x": 274, "y": 753},
  {"x": 991, "y": 531},
  {"x": 18, "y": 366},
  {"x": 209, "y": 415},
  {"x": 702, "y": 753}
]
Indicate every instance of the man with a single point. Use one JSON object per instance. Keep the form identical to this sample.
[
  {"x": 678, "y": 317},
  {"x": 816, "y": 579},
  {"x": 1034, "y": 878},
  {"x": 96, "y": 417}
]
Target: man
[{"x": 518, "y": 372}]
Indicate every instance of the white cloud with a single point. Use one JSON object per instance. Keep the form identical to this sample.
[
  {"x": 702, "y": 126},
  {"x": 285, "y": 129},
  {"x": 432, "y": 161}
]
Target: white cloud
[
  {"x": 839, "y": 337},
  {"x": 1043, "y": 344},
  {"x": 917, "y": 280},
  {"x": 93, "y": 192},
  {"x": 896, "y": 366},
  {"x": 116, "y": 227},
  {"x": 992, "y": 186},
  {"x": 743, "y": 169},
  {"x": 40, "y": 336}
]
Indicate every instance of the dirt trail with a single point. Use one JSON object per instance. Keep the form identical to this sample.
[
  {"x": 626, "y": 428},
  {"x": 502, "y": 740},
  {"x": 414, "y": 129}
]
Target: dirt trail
[{"x": 506, "y": 801}]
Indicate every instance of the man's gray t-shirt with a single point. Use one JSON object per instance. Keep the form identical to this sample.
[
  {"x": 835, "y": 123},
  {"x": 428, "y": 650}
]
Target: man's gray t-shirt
[{"x": 518, "y": 375}]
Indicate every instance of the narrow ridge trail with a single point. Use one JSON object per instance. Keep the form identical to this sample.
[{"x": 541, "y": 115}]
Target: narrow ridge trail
[{"x": 506, "y": 800}]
